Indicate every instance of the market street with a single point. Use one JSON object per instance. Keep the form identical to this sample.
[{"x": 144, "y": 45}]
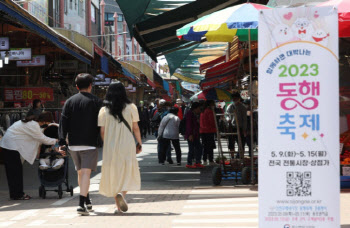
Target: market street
[{"x": 171, "y": 196}]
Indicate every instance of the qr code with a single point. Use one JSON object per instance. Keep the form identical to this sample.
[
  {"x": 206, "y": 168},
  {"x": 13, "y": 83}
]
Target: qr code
[{"x": 298, "y": 183}]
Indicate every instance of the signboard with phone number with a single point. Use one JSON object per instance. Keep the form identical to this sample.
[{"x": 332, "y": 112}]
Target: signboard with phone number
[{"x": 28, "y": 94}]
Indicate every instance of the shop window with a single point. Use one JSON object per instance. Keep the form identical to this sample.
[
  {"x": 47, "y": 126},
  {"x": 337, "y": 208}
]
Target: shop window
[
  {"x": 65, "y": 6},
  {"x": 93, "y": 14},
  {"x": 109, "y": 19},
  {"x": 120, "y": 17},
  {"x": 81, "y": 8}
]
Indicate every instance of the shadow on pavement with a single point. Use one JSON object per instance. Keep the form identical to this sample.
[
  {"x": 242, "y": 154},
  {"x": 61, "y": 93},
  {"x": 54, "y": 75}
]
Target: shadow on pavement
[{"x": 135, "y": 214}]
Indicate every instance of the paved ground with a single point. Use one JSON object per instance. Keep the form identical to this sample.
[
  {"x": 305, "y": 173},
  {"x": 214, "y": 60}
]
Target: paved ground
[{"x": 171, "y": 196}]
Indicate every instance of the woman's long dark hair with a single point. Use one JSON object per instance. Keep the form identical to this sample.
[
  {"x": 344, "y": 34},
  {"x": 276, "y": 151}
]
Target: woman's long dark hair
[{"x": 116, "y": 100}]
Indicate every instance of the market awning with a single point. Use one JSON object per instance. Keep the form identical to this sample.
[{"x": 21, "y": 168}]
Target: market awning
[
  {"x": 155, "y": 27},
  {"x": 220, "y": 74},
  {"x": 185, "y": 62},
  {"x": 14, "y": 14},
  {"x": 212, "y": 63},
  {"x": 129, "y": 75},
  {"x": 144, "y": 68}
]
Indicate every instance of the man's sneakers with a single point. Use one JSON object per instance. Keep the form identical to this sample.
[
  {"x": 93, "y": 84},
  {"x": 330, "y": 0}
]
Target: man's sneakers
[
  {"x": 89, "y": 207},
  {"x": 191, "y": 166},
  {"x": 88, "y": 203},
  {"x": 82, "y": 211}
]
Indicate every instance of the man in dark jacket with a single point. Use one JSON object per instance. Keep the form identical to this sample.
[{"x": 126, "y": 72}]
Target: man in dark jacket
[
  {"x": 144, "y": 119},
  {"x": 79, "y": 122}
]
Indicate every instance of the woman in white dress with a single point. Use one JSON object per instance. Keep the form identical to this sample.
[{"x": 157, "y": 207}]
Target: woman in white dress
[{"x": 119, "y": 123}]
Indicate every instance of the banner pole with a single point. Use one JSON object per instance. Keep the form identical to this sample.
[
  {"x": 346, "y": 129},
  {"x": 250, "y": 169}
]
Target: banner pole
[{"x": 251, "y": 110}]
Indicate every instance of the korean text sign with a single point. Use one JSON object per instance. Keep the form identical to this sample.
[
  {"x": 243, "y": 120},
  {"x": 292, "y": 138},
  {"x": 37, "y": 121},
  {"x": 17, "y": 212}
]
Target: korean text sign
[
  {"x": 28, "y": 94},
  {"x": 298, "y": 118}
]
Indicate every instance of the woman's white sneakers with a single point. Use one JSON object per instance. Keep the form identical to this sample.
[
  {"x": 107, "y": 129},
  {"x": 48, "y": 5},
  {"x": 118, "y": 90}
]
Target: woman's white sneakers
[{"x": 122, "y": 203}]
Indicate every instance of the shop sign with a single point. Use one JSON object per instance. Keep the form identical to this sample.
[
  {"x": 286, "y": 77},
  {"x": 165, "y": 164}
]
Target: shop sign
[
  {"x": 66, "y": 65},
  {"x": 4, "y": 43},
  {"x": 37, "y": 60},
  {"x": 18, "y": 54},
  {"x": 299, "y": 180},
  {"x": 28, "y": 94}
]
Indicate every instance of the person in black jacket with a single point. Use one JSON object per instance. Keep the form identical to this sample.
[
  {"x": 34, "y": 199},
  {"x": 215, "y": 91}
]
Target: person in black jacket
[
  {"x": 144, "y": 119},
  {"x": 79, "y": 122}
]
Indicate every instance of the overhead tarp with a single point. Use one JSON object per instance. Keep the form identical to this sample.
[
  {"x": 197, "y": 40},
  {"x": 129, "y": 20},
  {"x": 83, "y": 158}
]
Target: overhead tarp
[
  {"x": 132, "y": 69},
  {"x": 212, "y": 63},
  {"x": 144, "y": 68},
  {"x": 157, "y": 34},
  {"x": 230, "y": 67},
  {"x": 220, "y": 74},
  {"x": 129, "y": 75},
  {"x": 176, "y": 58},
  {"x": 188, "y": 79},
  {"x": 18, "y": 16},
  {"x": 186, "y": 61}
]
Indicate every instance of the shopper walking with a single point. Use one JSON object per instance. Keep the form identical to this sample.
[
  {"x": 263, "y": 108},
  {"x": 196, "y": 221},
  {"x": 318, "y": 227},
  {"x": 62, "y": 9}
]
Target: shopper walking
[
  {"x": 21, "y": 142},
  {"x": 119, "y": 123},
  {"x": 207, "y": 131},
  {"x": 192, "y": 136},
  {"x": 79, "y": 122},
  {"x": 144, "y": 119},
  {"x": 169, "y": 132},
  {"x": 241, "y": 121}
]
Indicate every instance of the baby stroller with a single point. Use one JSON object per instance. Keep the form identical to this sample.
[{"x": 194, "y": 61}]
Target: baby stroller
[{"x": 53, "y": 178}]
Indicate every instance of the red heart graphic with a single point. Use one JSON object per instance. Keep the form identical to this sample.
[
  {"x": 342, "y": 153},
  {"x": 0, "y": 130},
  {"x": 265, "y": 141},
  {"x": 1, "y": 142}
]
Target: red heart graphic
[{"x": 288, "y": 16}]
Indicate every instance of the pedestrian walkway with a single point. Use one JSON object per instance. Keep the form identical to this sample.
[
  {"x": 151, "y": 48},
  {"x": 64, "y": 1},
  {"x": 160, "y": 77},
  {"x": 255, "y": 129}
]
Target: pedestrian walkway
[
  {"x": 220, "y": 207},
  {"x": 171, "y": 197}
]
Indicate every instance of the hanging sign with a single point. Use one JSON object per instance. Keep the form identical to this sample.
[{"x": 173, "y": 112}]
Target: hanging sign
[
  {"x": 299, "y": 118},
  {"x": 37, "y": 60},
  {"x": 4, "y": 43},
  {"x": 66, "y": 65},
  {"x": 30, "y": 93},
  {"x": 18, "y": 54}
]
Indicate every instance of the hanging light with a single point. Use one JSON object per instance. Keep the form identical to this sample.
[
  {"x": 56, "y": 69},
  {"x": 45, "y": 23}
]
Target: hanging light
[{"x": 7, "y": 57}]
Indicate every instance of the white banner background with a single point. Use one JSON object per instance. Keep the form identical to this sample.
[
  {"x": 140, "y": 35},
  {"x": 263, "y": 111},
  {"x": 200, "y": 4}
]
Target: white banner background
[{"x": 299, "y": 129}]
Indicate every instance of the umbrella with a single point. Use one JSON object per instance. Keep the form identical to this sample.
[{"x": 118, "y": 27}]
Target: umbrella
[
  {"x": 343, "y": 14},
  {"x": 212, "y": 94},
  {"x": 223, "y": 25},
  {"x": 240, "y": 20}
]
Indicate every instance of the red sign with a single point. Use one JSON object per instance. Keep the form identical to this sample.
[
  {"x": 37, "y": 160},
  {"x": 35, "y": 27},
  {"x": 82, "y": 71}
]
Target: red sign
[
  {"x": 26, "y": 94},
  {"x": 98, "y": 50}
]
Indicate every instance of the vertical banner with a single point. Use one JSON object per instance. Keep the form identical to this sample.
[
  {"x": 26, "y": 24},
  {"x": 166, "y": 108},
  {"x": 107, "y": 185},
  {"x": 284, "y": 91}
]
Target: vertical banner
[{"x": 299, "y": 183}]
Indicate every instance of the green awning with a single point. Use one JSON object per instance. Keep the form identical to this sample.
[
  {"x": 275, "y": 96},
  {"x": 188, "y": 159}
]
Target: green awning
[
  {"x": 176, "y": 58},
  {"x": 154, "y": 22},
  {"x": 185, "y": 64}
]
